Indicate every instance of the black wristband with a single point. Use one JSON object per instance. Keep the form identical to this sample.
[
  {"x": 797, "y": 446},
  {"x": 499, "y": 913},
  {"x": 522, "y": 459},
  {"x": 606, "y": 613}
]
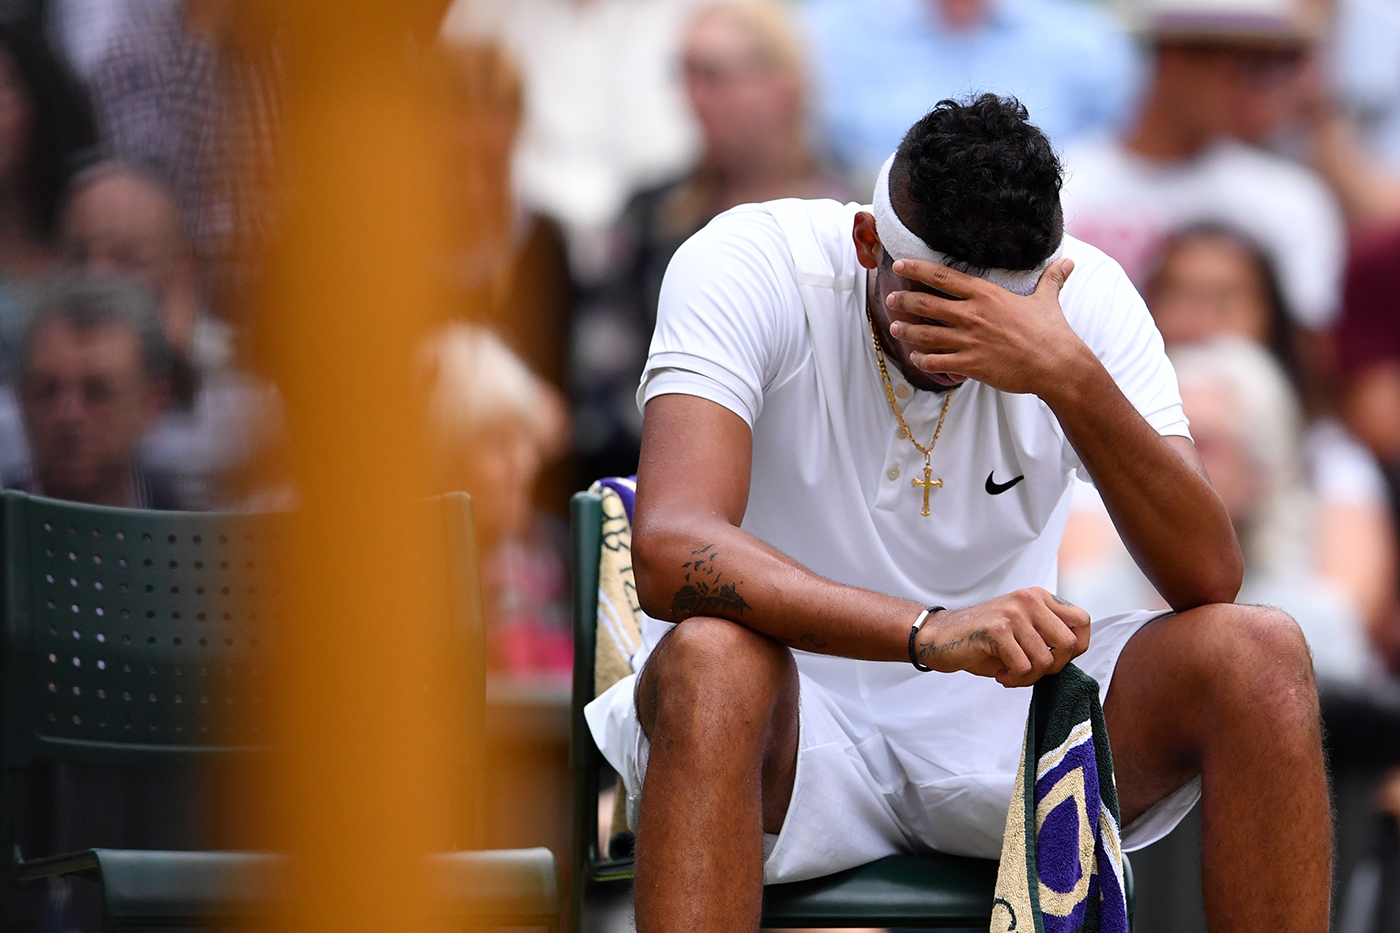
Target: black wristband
[{"x": 914, "y": 632}]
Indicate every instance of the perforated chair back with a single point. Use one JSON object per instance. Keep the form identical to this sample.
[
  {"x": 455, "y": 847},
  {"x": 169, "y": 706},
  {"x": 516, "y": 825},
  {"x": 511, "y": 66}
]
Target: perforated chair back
[{"x": 133, "y": 636}]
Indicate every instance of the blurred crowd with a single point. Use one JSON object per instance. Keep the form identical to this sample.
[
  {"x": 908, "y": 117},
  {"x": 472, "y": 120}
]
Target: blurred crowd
[{"x": 1239, "y": 158}]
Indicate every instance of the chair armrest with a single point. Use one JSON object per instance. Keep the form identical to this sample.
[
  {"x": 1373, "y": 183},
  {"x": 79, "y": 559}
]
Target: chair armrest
[
  {"x": 151, "y": 884},
  {"x": 499, "y": 884},
  {"x": 195, "y": 887}
]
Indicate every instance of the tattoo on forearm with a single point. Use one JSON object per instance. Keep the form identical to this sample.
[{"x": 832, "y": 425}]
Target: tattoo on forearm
[
  {"x": 704, "y": 590},
  {"x": 810, "y": 643}
]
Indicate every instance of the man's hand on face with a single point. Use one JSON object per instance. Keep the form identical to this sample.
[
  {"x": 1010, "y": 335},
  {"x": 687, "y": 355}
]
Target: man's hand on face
[
  {"x": 1007, "y": 341},
  {"x": 1017, "y": 638}
]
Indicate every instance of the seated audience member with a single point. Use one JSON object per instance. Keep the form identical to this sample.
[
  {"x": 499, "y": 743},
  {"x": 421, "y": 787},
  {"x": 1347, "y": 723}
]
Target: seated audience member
[
  {"x": 122, "y": 222},
  {"x": 604, "y": 109},
  {"x": 510, "y": 269},
  {"x": 93, "y": 374},
  {"x": 1225, "y": 76},
  {"x": 46, "y": 126},
  {"x": 881, "y": 63},
  {"x": 1210, "y": 282},
  {"x": 1246, "y": 424},
  {"x": 497, "y": 424},
  {"x": 1368, "y": 355},
  {"x": 746, "y": 79},
  {"x": 844, "y": 540}
]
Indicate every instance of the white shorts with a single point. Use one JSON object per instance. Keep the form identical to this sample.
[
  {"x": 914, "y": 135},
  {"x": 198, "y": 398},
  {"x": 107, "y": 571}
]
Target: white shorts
[{"x": 893, "y": 761}]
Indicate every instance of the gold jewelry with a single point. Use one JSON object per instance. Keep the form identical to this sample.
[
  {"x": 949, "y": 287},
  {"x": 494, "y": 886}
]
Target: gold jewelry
[{"x": 928, "y": 482}]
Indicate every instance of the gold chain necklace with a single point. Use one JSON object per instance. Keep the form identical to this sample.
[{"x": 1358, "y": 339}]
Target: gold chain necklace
[{"x": 928, "y": 482}]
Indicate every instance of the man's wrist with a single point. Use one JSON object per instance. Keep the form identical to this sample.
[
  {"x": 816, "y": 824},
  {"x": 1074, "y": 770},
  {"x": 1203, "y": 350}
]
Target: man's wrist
[{"x": 914, "y": 631}]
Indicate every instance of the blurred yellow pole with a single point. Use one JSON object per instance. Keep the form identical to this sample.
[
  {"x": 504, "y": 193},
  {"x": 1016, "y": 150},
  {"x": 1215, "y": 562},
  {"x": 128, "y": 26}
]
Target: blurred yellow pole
[{"x": 365, "y": 783}]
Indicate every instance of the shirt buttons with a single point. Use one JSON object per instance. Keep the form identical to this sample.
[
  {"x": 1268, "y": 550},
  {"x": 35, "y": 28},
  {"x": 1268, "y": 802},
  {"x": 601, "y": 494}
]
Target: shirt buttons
[
  {"x": 903, "y": 432},
  {"x": 902, "y": 391},
  {"x": 892, "y": 472}
]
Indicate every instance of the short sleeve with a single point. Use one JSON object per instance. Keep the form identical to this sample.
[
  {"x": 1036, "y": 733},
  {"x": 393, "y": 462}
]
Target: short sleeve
[
  {"x": 729, "y": 316},
  {"x": 1110, "y": 316}
]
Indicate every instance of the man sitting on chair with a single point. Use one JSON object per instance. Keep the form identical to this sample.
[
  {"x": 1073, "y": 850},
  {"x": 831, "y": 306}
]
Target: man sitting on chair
[{"x": 842, "y": 438}]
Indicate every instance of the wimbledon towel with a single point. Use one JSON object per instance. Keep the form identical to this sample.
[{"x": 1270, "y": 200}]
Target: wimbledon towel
[
  {"x": 619, "y": 613},
  {"x": 1061, "y": 862}
]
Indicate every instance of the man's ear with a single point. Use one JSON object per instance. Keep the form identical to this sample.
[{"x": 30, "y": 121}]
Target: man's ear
[{"x": 868, "y": 248}]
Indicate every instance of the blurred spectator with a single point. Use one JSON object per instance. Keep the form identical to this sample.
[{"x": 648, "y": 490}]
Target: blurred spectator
[
  {"x": 512, "y": 269},
  {"x": 883, "y": 63},
  {"x": 746, "y": 80},
  {"x": 46, "y": 128},
  {"x": 123, "y": 222},
  {"x": 1351, "y": 111},
  {"x": 1368, "y": 350},
  {"x": 1365, "y": 64},
  {"x": 1213, "y": 281},
  {"x": 93, "y": 373},
  {"x": 1226, "y": 74},
  {"x": 496, "y": 425},
  {"x": 196, "y": 88},
  {"x": 83, "y": 30},
  {"x": 604, "y": 114},
  {"x": 1245, "y": 421}
]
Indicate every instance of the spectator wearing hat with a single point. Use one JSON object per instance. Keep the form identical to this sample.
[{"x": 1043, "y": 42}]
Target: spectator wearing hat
[
  {"x": 1227, "y": 74},
  {"x": 883, "y": 63}
]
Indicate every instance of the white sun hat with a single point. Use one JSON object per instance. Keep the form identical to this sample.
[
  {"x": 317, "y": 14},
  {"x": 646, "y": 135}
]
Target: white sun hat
[{"x": 1275, "y": 22}]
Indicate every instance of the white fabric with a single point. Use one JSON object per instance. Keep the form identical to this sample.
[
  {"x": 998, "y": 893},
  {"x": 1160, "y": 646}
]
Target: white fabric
[
  {"x": 902, "y": 243},
  {"x": 862, "y": 792},
  {"x": 605, "y": 112},
  {"x": 1341, "y": 469},
  {"x": 763, "y": 312},
  {"x": 1127, "y": 205}
]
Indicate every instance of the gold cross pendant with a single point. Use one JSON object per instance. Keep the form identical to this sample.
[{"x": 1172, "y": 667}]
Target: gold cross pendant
[{"x": 928, "y": 482}]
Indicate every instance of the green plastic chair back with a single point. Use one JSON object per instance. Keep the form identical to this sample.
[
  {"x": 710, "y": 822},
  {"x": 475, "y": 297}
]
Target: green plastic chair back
[
  {"x": 138, "y": 637},
  {"x": 134, "y": 637}
]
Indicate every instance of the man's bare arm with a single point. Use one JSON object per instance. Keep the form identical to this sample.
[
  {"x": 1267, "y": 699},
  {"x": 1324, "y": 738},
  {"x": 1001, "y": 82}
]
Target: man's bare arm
[
  {"x": 691, "y": 558},
  {"x": 1154, "y": 487}
]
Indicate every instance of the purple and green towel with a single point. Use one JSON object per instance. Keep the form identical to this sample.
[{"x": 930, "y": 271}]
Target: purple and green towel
[{"x": 1061, "y": 858}]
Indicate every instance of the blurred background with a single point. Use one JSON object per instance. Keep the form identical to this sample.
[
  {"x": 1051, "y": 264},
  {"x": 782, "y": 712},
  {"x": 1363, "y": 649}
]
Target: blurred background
[{"x": 1239, "y": 158}]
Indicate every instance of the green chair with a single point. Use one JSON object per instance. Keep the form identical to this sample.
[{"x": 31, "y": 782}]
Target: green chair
[
  {"x": 143, "y": 638},
  {"x": 927, "y": 891}
]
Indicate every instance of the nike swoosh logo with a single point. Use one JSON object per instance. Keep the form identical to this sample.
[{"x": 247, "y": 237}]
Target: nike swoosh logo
[{"x": 995, "y": 489}]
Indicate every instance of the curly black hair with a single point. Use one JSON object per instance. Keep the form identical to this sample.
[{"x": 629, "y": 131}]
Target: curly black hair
[
  {"x": 976, "y": 180},
  {"x": 62, "y": 130}
]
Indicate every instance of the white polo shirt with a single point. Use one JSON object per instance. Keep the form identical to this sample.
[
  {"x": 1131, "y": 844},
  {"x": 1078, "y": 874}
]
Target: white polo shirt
[{"x": 763, "y": 312}]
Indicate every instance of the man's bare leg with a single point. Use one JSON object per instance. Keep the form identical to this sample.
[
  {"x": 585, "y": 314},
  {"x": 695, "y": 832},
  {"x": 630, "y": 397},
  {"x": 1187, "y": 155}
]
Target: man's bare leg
[
  {"x": 1227, "y": 692},
  {"x": 719, "y": 704}
]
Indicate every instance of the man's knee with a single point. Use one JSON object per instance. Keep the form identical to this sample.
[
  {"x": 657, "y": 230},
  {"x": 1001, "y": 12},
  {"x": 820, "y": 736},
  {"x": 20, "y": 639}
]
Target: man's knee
[
  {"x": 706, "y": 666},
  {"x": 1255, "y": 657}
]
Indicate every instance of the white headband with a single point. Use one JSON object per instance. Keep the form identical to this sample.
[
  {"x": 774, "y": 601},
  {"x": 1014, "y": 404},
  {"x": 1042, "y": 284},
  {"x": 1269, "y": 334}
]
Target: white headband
[{"x": 901, "y": 243}]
